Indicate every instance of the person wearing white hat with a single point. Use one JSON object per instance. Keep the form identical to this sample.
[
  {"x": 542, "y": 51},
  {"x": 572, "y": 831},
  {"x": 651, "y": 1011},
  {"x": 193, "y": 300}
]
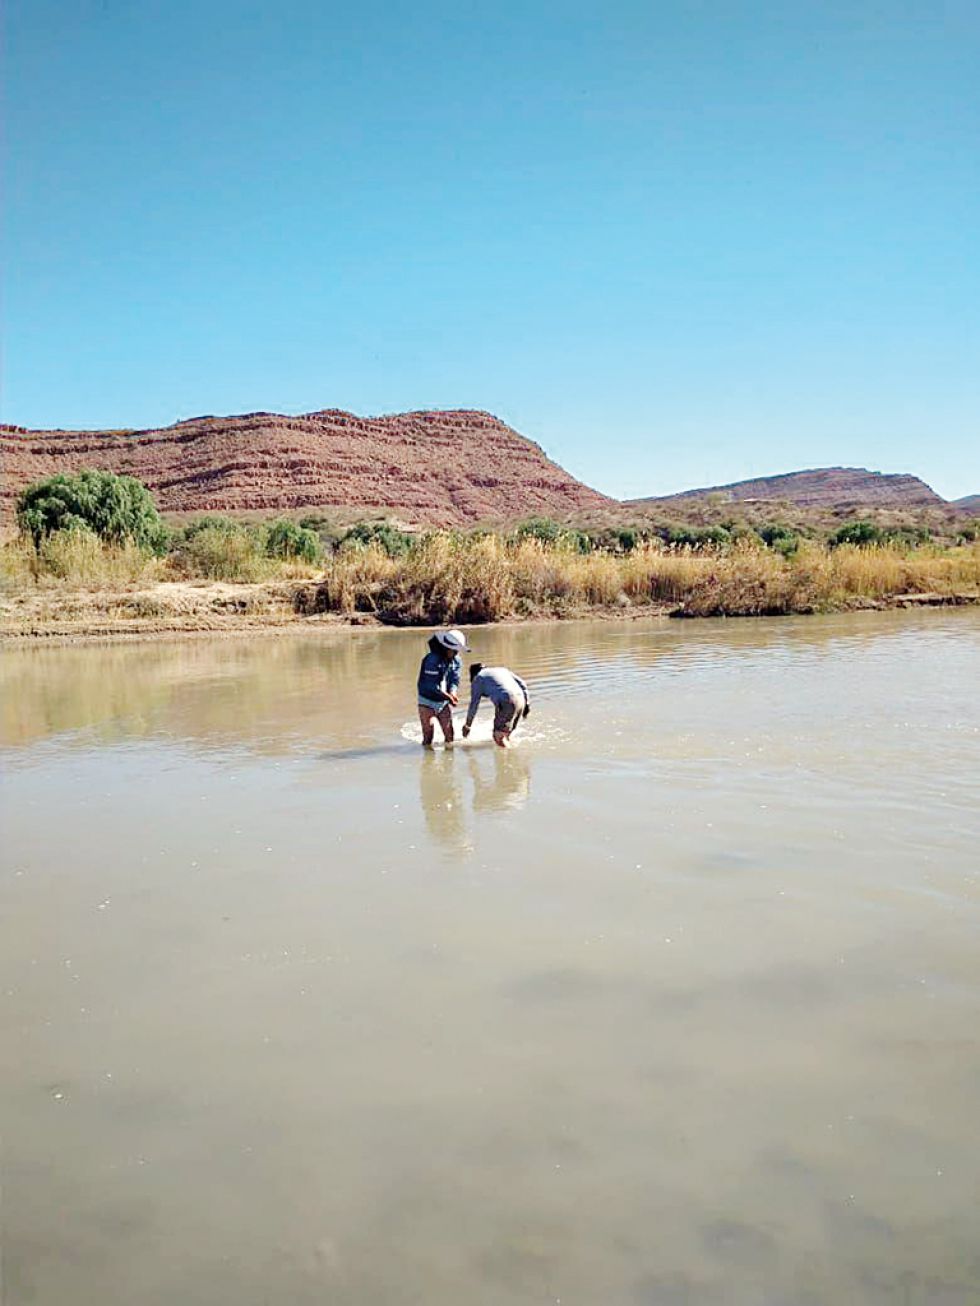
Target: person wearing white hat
[{"x": 439, "y": 677}]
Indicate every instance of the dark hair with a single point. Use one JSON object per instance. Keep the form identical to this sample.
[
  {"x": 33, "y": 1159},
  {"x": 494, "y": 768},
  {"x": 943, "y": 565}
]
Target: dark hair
[{"x": 475, "y": 669}]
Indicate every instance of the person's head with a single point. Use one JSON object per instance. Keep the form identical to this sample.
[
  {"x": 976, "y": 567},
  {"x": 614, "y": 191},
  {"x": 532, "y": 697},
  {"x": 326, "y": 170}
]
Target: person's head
[
  {"x": 450, "y": 642},
  {"x": 475, "y": 669}
]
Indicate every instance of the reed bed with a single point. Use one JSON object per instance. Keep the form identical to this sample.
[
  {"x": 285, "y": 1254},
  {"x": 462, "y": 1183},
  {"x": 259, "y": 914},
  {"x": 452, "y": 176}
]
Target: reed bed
[
  {"x": 76, "y": 558},
  {"x": 448, "y": 577},
  {"x": 477, "y": 579}
]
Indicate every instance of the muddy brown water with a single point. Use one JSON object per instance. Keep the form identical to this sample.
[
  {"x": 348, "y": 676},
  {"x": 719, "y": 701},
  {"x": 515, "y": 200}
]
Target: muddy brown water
[{"x": 677, "y": 1002}]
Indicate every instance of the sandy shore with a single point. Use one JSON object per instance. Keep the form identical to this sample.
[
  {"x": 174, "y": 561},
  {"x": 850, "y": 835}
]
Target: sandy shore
[{"x": 56, "y": 615}]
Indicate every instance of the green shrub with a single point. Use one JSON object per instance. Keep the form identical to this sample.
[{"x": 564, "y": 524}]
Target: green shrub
[
  {"x": 213, "y": 522},
  {"x": 285, "y": 539},
  {"x": 324, "y": 528},
  {"x": 783, "y": 539},
  {"x": 857, "y": 532},
  {"x": 906, "y": 537},
  {"x": 551, "y": 532},
  {"x": 697, "y": 537},
  {"x": 117, "y": 509},
  {"x": 223, "y": 554},
  {"x": 540, "y": 528},
  {"x": 394, "y": 542},
  {"x": 739, "y": 530},
  {"x": 616, "y": 539}
]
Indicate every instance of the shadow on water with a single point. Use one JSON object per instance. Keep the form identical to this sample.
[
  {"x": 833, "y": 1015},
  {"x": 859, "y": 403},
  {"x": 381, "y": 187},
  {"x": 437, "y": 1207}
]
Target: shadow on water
[
  {"x": 368, "y": 751},
  {"x": 406, "y": 748}
]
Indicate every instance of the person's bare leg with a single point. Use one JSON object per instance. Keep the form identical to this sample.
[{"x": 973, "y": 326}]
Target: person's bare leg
[
  {"x": 426, "y": 716},
  {"x": 503, "y": 724},
  {"x": 446, "y": 721}
]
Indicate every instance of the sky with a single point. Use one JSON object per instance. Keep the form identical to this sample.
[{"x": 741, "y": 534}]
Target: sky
[{"x": 676, "y": 242}]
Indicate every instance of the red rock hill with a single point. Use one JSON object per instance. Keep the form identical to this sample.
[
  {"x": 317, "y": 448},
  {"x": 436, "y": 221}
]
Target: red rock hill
[
  {"x": 433, "y": 468},
  {"x": 822, "y": 487}
]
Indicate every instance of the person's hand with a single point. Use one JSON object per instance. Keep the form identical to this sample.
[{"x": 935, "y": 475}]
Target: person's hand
[
  {"x": 453, "y": 698},
  {"x": 466, "y": 732},
  {"x": 527, "y": 712}
]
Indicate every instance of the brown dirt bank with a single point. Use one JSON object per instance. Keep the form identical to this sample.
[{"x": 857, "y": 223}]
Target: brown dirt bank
[{"x": 187, "y": 609}]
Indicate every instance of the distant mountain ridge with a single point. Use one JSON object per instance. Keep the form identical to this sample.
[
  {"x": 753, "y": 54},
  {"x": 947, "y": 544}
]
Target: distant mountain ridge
[
  {"x": 819, "y": 487},
  {"x": 452, "y": 468}
]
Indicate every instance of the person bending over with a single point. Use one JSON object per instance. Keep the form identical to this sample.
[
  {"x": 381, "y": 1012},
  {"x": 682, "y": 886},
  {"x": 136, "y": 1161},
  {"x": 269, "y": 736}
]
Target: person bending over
[
  {"x": 508, "y": 694},
  {"x": 439, "y": 677}
]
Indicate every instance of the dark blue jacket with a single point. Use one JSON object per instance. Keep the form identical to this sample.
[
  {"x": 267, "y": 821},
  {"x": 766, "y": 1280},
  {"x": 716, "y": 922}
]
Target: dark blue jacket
[{"x": 437, "y": 677}]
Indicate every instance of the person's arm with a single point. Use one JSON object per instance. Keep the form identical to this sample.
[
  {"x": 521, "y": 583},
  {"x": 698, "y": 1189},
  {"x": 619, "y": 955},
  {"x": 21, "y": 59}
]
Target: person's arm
[
  {"x": 452, "y": 680},
  {"x": 476, "y": 693}
]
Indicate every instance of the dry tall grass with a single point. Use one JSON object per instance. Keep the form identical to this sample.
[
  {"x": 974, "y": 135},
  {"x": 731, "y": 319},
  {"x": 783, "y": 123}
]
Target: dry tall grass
[
  {"x": 477, "y": 578},
  {"x": 474, "y": 579},
  {"x": 80, "y": 559},
  {"x": 76, "y": 558}
]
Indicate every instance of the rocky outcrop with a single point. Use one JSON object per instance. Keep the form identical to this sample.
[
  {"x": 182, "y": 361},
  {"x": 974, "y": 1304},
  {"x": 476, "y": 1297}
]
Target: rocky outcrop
[
  {"x": 433, "y": 468},
  {"x": 822, "y": 487}
]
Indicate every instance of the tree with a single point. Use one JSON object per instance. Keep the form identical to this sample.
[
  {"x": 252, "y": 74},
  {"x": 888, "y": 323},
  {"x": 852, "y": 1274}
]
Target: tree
[{"x": 116, "y": 508}]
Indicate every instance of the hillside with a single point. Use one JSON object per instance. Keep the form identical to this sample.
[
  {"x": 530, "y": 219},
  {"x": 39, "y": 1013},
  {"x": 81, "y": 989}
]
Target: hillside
[
  {"x": 823, "y": 487},
  {"x": 433, "y": 468},
  {"x": 969, "y": 503}
]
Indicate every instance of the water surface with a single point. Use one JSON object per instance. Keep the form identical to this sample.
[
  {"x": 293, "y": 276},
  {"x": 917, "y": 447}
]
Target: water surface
[{"x": 676, "y": 1002}]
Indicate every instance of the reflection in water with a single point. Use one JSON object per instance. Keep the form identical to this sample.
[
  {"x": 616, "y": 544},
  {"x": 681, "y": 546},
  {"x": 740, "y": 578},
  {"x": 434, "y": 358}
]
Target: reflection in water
[
  {"x": 441, "y": 796},
  {"x": 458, "y": 785},
  {"x": 501, "y": 778}
]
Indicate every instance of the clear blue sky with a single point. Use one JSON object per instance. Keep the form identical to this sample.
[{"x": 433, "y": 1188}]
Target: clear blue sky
[{"x": 677, "y": 242}]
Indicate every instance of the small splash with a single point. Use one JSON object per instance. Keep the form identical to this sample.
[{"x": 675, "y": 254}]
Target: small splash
[{"x": 482, "y": 733}]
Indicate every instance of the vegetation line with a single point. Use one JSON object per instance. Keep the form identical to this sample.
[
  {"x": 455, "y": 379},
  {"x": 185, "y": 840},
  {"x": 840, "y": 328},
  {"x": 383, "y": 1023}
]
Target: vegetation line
[{"x": 93, "y": 554}]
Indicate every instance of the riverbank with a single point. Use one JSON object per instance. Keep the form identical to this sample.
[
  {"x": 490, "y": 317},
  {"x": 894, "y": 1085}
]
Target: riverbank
[
  {"x": 205, "y": 608},
  {"x": 168, "y": 609},
  {"x": 77, "y": 588}
]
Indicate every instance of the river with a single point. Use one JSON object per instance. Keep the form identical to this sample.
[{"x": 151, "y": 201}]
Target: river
[{"x": 676, "y": 1002}]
